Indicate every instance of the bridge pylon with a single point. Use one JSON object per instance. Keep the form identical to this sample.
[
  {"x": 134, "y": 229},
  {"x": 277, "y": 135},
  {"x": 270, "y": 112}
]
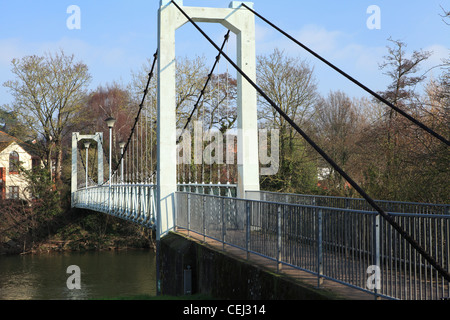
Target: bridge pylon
[
  {"x": 76, "y": 137},
  {"x": 242, "y": 23}
]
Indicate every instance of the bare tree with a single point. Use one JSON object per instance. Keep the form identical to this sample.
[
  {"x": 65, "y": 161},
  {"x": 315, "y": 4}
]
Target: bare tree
[
  {"x": 47, "y": 91},
  {"x": 402, "y": 70},
  {"x": 339, "y": 123},
  {"x": 445, "y": 15},
  {"x": 401, "y": 92},
  {"x": 403, "y": 162},
  {"x": 290, "y": 83},
  {"x": 104, "y": 102},
  {"x": 220, "y": 102}
]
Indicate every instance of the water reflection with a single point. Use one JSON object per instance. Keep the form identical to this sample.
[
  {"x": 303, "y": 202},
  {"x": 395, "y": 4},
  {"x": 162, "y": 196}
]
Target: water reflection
[{"x": 103, "y": 274}]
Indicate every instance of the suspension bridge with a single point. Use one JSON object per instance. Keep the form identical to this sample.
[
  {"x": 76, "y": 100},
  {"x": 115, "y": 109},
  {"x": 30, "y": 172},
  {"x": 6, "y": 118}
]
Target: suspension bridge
[{"x": 393, "y": 250}]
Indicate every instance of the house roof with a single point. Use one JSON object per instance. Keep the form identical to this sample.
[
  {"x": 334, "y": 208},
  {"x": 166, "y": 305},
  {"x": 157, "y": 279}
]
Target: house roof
[
  {"x": 4, "y": 137},
  {"x": 6, "y": 140},
  {"x": 4, "y": 145}
]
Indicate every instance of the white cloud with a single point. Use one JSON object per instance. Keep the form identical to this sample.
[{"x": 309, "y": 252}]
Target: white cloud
[
  {"x": 327, "y": 43},
  {"x": 319, "y": 39},
  {"x": 341, "y": 49},
  {"x": 263, "y": 32},
  {"x": 362, "y": 57},
  {"x": 438, "y": 53},
  {"x": 11, "y": 49}
]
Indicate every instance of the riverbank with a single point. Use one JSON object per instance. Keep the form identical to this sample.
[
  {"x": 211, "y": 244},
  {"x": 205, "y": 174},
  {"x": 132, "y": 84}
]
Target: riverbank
[{"x": 78, "y": 231}]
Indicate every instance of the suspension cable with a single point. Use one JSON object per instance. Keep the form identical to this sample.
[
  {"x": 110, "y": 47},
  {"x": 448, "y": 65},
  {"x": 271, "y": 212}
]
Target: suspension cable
[
  {"x": 141, "y": 105},
  {"x": 445, "y": 274},
  {"x": 376, "y": 95},
  {"x": 206, "y": 84}
]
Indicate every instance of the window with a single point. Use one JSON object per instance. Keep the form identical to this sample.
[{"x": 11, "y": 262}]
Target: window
[
  {"x": 35, "y": 163},
  {"x": 13, "y": 162},
  {"x": 14, "y": 192},
  {"x": 2, "y": 183}
]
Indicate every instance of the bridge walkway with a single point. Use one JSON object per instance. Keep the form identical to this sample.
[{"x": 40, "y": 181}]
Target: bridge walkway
[{"x": 340, "y": 290}]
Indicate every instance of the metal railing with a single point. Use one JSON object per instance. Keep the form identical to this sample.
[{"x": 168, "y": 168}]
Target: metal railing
[
  {"x": 354, "y": 247},
  {"x": 136, "y": 202},
  {"x": 350, "y": 203},
  {"x": 133, "y": 202},
  {"x": 218, "y": 189}
]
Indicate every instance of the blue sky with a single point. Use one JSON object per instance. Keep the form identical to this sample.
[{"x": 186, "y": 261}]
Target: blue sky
[{"x": 117, "y": 37}]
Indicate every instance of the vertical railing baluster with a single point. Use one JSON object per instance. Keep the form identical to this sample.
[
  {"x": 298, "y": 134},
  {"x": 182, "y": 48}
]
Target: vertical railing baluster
[
  {"x": 319, "y": 249},
  {"x": 188, "y": 214},
  {"x": 204, "y": 219},
  {"x": 247, "y": 229},
  {"x": 279, "y": 238},
  {"x": 376, "y": 261},
  {"x": 223, "y": 222}
]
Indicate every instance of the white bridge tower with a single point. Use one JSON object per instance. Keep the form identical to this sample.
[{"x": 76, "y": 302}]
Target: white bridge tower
[{"x": 242, "y": 23}]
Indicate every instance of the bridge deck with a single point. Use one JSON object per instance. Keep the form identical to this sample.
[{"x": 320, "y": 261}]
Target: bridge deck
[{"x": 341, "y": 290}]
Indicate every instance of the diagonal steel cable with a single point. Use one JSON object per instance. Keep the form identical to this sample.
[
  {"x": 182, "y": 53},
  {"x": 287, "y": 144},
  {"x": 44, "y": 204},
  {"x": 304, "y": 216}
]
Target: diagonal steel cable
[
  {"x": 141, "y": 105},
  {"x": 374, "y": 94},
  {"x": 444, "y": 273}
]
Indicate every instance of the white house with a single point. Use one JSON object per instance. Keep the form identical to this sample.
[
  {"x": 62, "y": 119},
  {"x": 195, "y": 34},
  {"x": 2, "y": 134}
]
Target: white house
[{"x": 14, "y": 153}]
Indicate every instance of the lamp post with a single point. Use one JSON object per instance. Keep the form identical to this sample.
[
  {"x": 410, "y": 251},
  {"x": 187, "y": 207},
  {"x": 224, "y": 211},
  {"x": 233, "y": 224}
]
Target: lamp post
[
  {"x": 86, "y": 145},
  {"x": 122, "y": 146},
  {"x": 110, "y": 122}
]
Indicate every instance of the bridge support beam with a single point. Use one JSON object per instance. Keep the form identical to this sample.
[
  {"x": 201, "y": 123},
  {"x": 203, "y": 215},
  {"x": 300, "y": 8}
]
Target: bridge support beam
[{"x": 241, "y": 22}]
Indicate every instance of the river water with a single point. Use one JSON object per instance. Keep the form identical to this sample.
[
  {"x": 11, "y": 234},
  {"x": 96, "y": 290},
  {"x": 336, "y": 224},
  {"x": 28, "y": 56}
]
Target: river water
[{"x": 102, "y": 275}]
